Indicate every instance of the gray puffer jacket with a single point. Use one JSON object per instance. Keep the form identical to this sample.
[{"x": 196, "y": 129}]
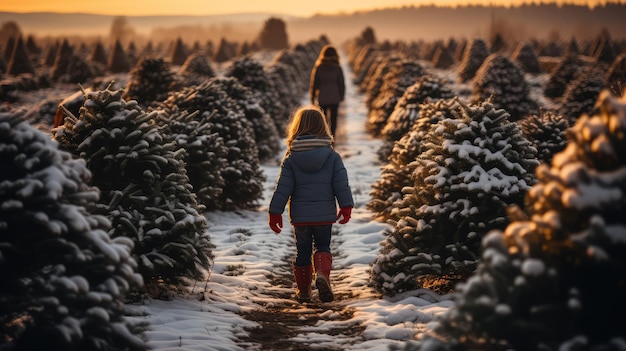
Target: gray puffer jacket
[{"x": 311, "y": 177}]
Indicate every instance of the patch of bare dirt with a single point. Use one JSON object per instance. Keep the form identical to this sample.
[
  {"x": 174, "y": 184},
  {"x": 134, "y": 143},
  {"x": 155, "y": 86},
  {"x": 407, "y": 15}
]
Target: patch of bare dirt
[{"x": 281, "y": 322}]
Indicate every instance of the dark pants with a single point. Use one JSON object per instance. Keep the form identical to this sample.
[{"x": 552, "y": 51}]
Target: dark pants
[
  {"x": 309, "y": 236},
  {"x": 331, "y": 112}
]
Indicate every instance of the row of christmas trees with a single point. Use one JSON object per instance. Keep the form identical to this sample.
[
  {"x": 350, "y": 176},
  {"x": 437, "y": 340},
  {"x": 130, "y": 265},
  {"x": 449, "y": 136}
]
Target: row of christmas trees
[
  {"x": 110, "y": 204},
  {"x": 536, "y": 245}
]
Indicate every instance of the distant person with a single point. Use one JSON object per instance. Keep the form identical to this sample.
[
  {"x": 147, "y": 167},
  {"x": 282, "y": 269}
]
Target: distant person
[
  {"x": 327, "y": 87},
  {"x": 313, "y": 181}
]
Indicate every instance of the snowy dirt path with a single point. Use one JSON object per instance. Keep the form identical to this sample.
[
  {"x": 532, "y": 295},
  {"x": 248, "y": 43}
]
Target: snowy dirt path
[{"x": 248, "y": 302}]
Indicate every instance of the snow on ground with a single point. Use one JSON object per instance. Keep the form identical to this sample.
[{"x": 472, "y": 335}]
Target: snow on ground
[{"x": 247, "y": 254}]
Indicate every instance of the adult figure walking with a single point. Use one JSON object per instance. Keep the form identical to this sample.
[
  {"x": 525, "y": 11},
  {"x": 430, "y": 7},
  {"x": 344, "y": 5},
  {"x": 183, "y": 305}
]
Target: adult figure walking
[{"x": 327, "y": 86}]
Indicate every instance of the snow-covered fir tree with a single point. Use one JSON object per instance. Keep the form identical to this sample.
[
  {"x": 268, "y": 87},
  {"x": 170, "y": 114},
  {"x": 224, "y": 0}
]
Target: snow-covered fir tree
[
  {"x": 251, "y": 74},
  {"x": 283, "y": 79},
  {"x": 475, "y": 54},
  {"x": 98, "y": 54},
  {"x": 179, "y": 53},
  {"x": 564, "y": 73},
  {"x": 473, "y": 166},
  {"x": 243, "y": 176},
  {"x": 616, "y": 75},
  {"x": 20, "y": 62},
  {"x": 603, "y": 48},
  {"x": 296, "y": 61},
  {"x": 196, "y": 68},
  {"x": 375, "y": 84},
  {"x": 396, "y": 174},
  {"x": 64, "y": 279},
  {"x": 150, "y": 81},
  {"x": 503, "y": 81},
  {"x": 379, "y": 59},
  {"x": 364, "y": 58},
  {"x": 204, "y": 153},
  {"x": 554, "y": 280},
  {"x": 546, "y": 131},
  {"x": 442, "y": 58},
  {"x": 69, "y": 67},
  {"x": 265, "y": 135},
  {"x": 225, "y": 51},
  {"x": 426, "y": 88},
  {"x": 118, "y": 61},
  {"x": 401, "y": 75},
  {"x": 582, "y": 93},
  {"x": 551, "y": 49},
  {"x": 145, "y": 189},
  {"x": 525, "y": 56}
]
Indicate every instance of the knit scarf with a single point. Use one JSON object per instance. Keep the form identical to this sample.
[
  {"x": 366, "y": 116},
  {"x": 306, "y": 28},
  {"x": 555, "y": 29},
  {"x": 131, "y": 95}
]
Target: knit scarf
[{"x": 309, "y": 144}]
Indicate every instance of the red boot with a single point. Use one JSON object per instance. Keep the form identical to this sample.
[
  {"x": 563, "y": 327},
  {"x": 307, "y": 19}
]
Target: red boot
[
  {"x": 303, "y": 276},
  {"x": 323, "y": 262}
]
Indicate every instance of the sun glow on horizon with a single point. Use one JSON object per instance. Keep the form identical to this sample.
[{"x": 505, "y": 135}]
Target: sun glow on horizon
[{"x": 284, "y": 7}]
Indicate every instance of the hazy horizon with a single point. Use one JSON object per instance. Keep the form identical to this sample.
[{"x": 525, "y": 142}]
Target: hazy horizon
[
  {"x": 405, "y": 24},
  {"x": 233, "y": 7}
]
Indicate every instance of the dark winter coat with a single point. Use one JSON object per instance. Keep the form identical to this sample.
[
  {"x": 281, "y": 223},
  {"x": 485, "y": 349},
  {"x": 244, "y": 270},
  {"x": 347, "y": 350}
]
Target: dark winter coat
[
  {"x": 327, "y": 83},
  {"x": 311, "y": 179}
]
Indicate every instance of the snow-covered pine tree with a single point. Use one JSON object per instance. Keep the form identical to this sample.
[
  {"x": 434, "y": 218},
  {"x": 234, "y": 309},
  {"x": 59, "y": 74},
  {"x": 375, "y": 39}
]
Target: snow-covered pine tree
[
  {"x": 400, "y": 76},
  {"x": 616, "y": 75},
  {"x": 64, "y": 279},
  {"x": 604, "y": 51},
  {"x": 32, "y": 47},
  {"x": 396, "y": 174},
  {"x": 554, "y": 280},
  {"x": 225, "y": 51},
  {"x": 379, "y": 59},
  {"x": 475, "y": 54},
  {"x": 546, "y": 131},
  {"x": 498, "y": 44},
  {"x": 308, "y": 54},
  {"x": 442, "y": 58},
  {"x": 525, "y": 56},
  {"x": 300, "y": 69},
  {"x": 362, "y": 64},
  {"x": 251, "y": 74},
  {"x": 179, "y": 52},
  {"x": 196, "y": 69},
  {"x": 150, "y": 81},
  {"x": 503, "y": 81},
  {"x": 563, "y": 74},
  {"x": 117, "y": 61},
  {"x": 243, "y": 177},
  {"x": 282, "y": 78},
  {"x": 460, "y": 50},
  {"x": 426, "y": 88},
  {"x": 145, "y": 189},
  {"x": 68, "y": 67},
  {"x": 20, "y": 62},
  {"x": 473, "y": 166},
  {"x": 377, "y": 80},
  {"x": 582, "y": 93},
  {"x": 50, "y": 55},
  {"x": 273, "y": 35},
  {"x": 98, "y": 54},
  {"x": 572, "y": 47},
  {"x": 264, "y": 131},
  {"x": 551, "y": 49},
  {"x": 204, "y": 153}
]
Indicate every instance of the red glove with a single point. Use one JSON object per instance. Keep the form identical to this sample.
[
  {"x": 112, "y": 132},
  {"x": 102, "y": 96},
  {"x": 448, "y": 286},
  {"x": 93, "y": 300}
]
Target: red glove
[
  {"x": 345, "y": 212},
  {"x": 276, "y": 222}
]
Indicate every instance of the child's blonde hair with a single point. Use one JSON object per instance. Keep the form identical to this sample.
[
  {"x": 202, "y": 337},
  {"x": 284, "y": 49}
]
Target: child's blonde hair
[{"x": 308, "y": 120}]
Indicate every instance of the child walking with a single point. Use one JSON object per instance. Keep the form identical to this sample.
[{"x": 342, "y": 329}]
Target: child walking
[{"x": 313, "y": 180}]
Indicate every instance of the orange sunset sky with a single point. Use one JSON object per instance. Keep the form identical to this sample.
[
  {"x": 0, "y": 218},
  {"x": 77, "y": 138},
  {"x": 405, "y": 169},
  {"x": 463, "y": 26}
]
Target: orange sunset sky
[{"x": 215, "y": 7}]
